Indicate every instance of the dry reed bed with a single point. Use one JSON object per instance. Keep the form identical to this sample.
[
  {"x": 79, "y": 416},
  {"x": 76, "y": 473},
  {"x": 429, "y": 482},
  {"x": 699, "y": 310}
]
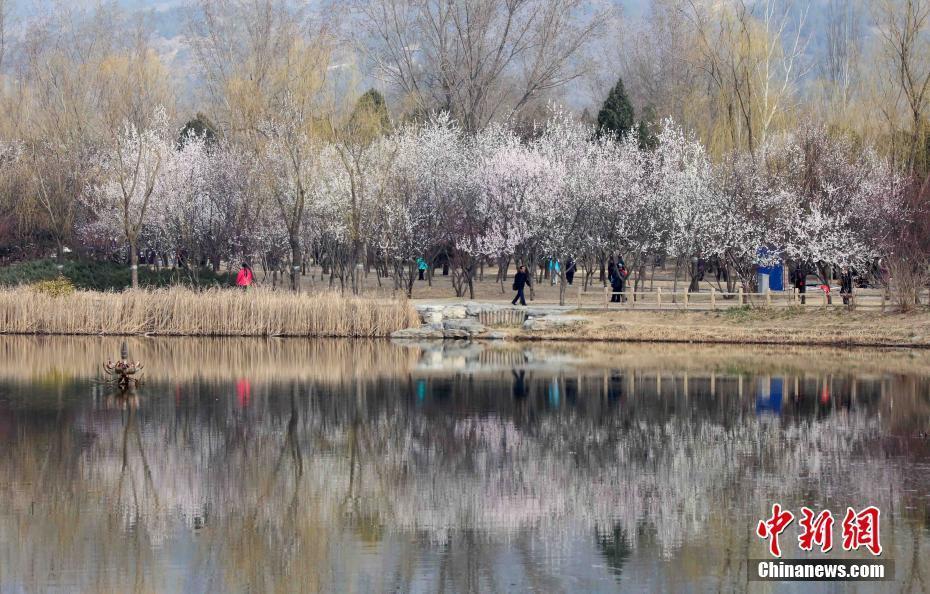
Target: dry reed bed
[{"x": 217, "y": 312}]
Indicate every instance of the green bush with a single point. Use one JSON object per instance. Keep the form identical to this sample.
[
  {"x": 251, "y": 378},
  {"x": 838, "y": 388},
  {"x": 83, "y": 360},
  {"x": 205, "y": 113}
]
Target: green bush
[
  {"x": 105, "y": 276},
  {"x": 56, "y": 287}
]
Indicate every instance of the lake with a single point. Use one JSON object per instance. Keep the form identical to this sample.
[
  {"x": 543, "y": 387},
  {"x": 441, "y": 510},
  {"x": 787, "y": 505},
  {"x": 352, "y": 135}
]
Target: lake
[{"x": 366, "y": 466}]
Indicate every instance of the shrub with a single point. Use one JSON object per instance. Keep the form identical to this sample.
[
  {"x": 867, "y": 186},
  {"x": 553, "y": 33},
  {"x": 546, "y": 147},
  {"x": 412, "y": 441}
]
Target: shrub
[
  {"x": 57, "y": 287},
  {"x": 105, "y": 276}
]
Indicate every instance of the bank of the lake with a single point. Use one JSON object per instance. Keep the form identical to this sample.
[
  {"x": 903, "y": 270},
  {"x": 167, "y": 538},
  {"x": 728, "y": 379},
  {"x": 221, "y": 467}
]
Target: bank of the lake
[
  {"x": 776, "y": 326},
  {"x": 793, "y": 326},
  {"x": 230, "y": 312}
]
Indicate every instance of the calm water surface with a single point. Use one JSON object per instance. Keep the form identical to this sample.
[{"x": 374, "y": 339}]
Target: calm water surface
[{"x": 335, "y": 466}]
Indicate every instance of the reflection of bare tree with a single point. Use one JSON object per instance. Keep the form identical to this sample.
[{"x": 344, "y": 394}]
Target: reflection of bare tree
[{"x": 148, "y": 489}]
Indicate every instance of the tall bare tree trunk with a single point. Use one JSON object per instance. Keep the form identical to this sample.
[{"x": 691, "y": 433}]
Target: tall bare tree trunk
[
  {"x": 134, "y": 263},
  {"x": 295, "y": 259}
]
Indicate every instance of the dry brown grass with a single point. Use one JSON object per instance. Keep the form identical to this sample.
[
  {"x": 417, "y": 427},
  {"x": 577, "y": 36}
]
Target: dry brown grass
[
  {"x": 783, "y": 326},
  {"x": 217, "y": 312}
]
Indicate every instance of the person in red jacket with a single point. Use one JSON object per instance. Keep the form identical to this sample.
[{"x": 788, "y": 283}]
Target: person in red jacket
[{"x": 245, "y": 277}]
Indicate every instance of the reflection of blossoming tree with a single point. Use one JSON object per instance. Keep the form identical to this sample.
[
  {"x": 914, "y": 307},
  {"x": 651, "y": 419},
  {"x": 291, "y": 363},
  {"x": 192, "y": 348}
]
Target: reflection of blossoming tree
[{"x": 284, "y": 477}]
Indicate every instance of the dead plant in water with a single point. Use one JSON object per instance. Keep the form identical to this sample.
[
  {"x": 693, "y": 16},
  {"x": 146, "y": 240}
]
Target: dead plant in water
[{"x": 216, "y": 312}]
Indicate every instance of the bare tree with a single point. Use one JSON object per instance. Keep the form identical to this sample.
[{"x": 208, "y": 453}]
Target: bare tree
[
  {"x": 4, "y": 12},
  {"x": 480, "y": 60},
  {"x": 843, "y": 47},
  {"x": 240, "y": 46},
  {"x": 266, "y": 64},
  {"x": 904, "y": 26},
  {"x": 752, "y": 52}
]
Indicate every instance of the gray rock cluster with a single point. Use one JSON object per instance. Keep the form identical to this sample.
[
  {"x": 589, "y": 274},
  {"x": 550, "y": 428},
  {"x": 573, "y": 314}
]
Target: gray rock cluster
[{"x": 470, "y": 320}]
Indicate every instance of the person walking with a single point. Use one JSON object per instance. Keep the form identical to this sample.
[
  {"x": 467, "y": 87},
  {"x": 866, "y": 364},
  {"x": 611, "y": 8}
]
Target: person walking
[
  {"x": 799, "y": 280},
  {"x": 245, "y": 278},
  {"x": 520, "y": 281},
  {"x": 846, "y": 285},
  {"x": 615, "y": 278},
  {"x": 623, "y": 273},
  {"x": 421, "y": 266},
  {"x": 570, "y": 268},
  {"x": 554, "y": 270}
]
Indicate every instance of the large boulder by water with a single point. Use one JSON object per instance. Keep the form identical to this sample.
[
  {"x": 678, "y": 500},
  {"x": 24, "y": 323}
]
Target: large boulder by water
[
  {"x": 423, "y": 332},
  {"x": 552, "y": 322},
  {"x": 454, "y": 312},
  {"x": 469, "y": 325}
]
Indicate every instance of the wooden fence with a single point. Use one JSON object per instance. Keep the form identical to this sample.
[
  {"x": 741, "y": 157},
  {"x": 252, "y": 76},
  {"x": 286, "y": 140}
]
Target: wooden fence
[{"x": 875, "y": 299}]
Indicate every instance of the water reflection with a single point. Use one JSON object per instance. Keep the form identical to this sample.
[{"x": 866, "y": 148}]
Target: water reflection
[{"x": 366, "y": 466}]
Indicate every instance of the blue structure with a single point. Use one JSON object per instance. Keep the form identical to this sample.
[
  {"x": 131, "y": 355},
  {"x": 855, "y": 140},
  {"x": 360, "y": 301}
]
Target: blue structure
[
  {"x": 775, "y": 272},
  {"x": 769, "y": 393}
]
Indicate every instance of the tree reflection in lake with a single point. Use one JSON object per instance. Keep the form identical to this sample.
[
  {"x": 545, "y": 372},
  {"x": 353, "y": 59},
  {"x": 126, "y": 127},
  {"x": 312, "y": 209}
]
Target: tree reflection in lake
[{"x": 366, "y": 466}]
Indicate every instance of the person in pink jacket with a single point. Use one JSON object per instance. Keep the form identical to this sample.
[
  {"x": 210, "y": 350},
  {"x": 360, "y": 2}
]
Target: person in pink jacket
[{"x": 245, "y": 277}]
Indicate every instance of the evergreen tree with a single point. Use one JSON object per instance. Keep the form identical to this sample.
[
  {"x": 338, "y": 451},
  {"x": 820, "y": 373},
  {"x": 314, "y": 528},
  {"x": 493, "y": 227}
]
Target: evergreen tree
[
  {"x": 616, "y": 115},
  {"x": 370, "y": 115},
  {"x": 201, "y": 126},
  {"x": 648, "y": 139}
]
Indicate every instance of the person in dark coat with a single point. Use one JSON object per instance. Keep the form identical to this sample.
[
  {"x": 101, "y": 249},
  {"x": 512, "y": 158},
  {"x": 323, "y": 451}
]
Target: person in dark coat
[
  {"x": 520, "y": 281},
  {"x": 799, "y": 280},
  {"x": 623, "y": 273},
  {"x": 615, "y": 277},
  {"x": 846, "y": 284},
  {"x": 570, "y": 268}
]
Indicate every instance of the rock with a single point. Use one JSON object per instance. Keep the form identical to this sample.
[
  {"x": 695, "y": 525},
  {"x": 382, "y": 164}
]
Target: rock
[
  {"x": 495, "y": 335},
  {"x": 455, "y": 312},
  {"x": 552, "y": 322},
  {"x": 431, "y": 317},
  {"x": 470, "y": 325},
  {"x": 474, "y": 309},
  {"x": 455, "y": 333},
  {"x": 430, "y": 314},
  {"x": 422, "y": 332}
]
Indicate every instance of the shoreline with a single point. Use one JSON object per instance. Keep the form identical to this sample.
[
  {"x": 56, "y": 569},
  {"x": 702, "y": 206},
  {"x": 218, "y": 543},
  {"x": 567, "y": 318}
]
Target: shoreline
[
  {"x": 266, "y": 314},
  {"x": 724, "y": 341},
  {"x": 513, "y": 338},
  {"x": 775, "y": 327}
]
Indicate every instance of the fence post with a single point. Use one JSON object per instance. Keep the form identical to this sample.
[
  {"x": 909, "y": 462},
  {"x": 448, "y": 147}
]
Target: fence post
[
  {"x": 579, "y": 296},
  {"x": 797, "y": 295},
  {"x": 713, "y": 298},
  {"x": 825, "y": 298},
  {"x": 741, "y": 295},
  {"x": 883, "y": 299},
  {"x": 606, "y": 298},
  {"x": 687, "y": 293},
  {"x": 852, "y": 300},
  {"x": 768, "y": 299},
  {"x": 659, "y": 297}
]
